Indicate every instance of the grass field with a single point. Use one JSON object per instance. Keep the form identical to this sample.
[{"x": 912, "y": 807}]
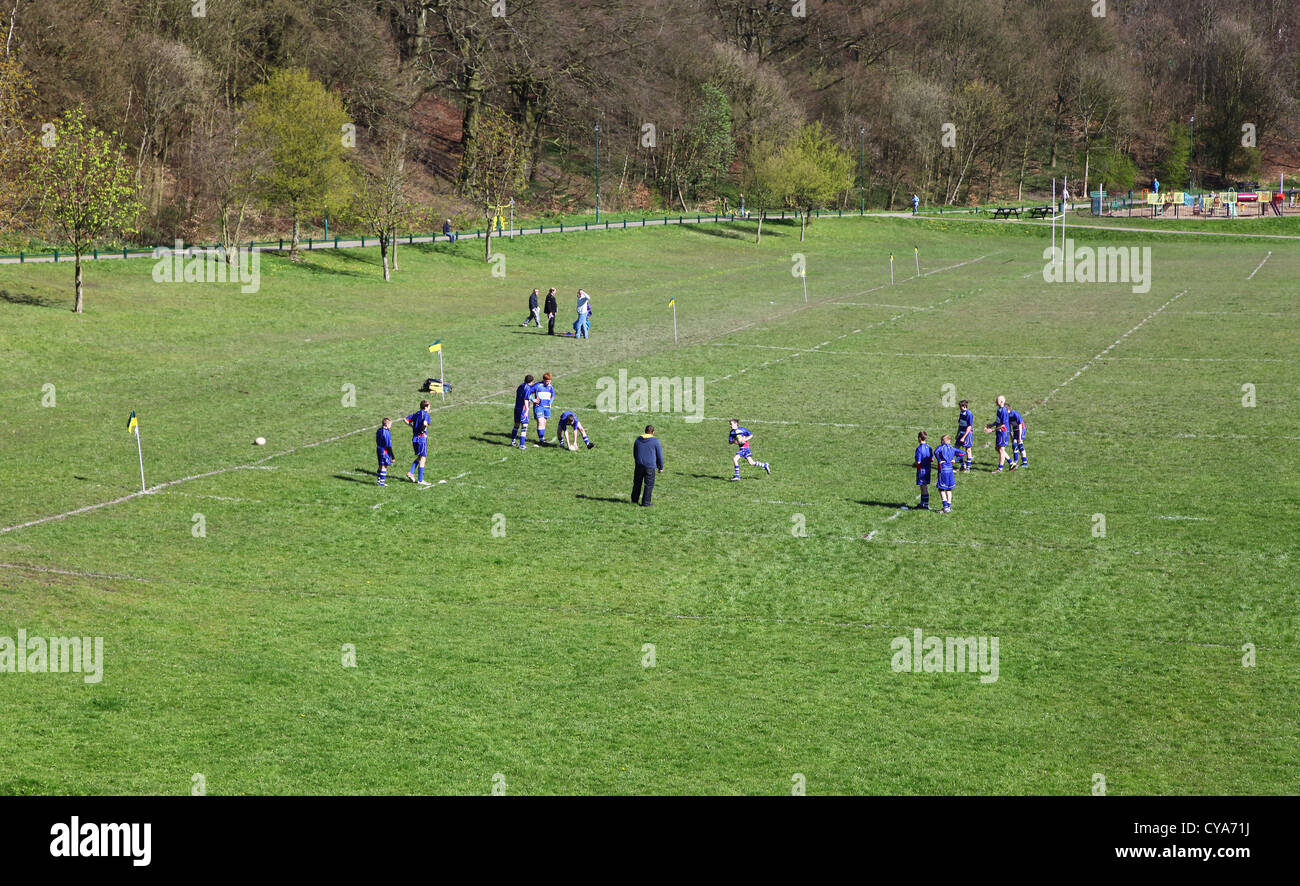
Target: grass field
[{"x": 521, "y": 657}]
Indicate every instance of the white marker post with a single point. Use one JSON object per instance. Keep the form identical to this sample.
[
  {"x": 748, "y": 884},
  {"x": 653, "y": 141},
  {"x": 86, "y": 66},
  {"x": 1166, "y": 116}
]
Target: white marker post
[
  {"x": 803, "y": 275},
  {"x": 442, "y": 378},
  {"x": 917, "y": 253},
  {"x": 672, "y": 303},
  {"x": 133, "y": 425},
  {"x": 891, "y": 269}
]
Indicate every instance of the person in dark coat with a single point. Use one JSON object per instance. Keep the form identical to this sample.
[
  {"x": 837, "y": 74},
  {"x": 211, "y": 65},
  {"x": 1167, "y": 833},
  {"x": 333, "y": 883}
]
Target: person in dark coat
[
  {"x": 649, "y": 458},
  {"x": 551, "y": 309},
  {"x": 533, "y": 316}
]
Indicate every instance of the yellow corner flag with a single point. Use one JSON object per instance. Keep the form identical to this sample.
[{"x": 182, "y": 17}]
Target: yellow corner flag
[
  {"x": 132, "y": 423},
  {"x": 672, "y": 302},
  {"x": 436, "y": 346}
]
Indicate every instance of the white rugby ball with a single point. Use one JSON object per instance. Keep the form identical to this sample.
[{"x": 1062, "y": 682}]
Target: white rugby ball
[{"x": 260, "y": 441}]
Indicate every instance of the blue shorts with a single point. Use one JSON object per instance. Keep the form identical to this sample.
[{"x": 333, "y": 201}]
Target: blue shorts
[
  {"x": 542, "y": 411},
  {"x": 522, "y": 417},
  {"x": 947, "y": 480},
  {"x": 966, "y": 440},
  {"x": 1004, "y": 437},
  {"x": 421, "y": 446},
  {"x": 923, "y": 477},
  {"x": 1018, "y": 436},
  {"x": 384, "y": 458},
  {"x": 744, "y": 452}
]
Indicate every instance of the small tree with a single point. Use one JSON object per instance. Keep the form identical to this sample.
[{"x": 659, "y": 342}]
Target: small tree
[
  {"x": 299, "y": 127},
  {"x": 492, "y": 168},
  {"x": 766, "y": 182},
  {"x": 811, "y": 170},
  {"x": 87, "y": 189},
  {"x": 382, "y": 202}
]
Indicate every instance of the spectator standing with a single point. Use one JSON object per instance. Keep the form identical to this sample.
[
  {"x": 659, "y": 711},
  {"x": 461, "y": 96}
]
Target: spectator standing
[
  {"x": 551, "y": 308},
  {"x": 648, "y": 455}
]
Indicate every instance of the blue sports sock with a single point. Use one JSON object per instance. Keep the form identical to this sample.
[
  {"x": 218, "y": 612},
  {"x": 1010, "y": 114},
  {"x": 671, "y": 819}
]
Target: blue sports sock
[
  {"x": 383, "y": 472},
  {"x": 421, "y": 475},
  {"x": 541, "y": 435},
  {"x": 737, "y": 470},
  {"x": 584, "y": 439},
  {"x": 415, "y": 464}
]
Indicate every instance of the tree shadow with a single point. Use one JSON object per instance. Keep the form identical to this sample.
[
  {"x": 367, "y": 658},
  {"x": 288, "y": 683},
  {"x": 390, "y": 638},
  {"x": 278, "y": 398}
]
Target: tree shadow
[
  {"x": 25, "y": 298},
  {"x": 725, "y": 230}
]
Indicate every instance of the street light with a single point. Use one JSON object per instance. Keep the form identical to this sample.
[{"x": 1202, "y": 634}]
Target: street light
[
  {"x": 862, "y": 131},
  {"x": 597, "y": 173},
  {"x": 1191, "y": 137}
]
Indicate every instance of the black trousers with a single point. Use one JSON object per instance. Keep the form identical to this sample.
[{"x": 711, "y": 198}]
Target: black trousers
[
  {"x": 643, "y": 484},
  {"x": 550, "y": 325}
]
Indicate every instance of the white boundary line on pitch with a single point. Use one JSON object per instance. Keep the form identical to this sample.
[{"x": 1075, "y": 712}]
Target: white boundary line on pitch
[
  {"x": 1260, "y": 265},
  {"x": 1104, "y": 352}
]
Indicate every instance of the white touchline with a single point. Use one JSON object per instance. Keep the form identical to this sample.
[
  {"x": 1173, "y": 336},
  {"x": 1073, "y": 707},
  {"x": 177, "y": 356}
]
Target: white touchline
[
  {"x": 1260, "y": 265},
  {"x": 1104, "y": 352}
]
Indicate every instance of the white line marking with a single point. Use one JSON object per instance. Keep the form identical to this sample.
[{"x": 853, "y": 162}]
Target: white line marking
[
  {"x": 1260, "y": 265},
  {"x": 1105, "y": 351}
]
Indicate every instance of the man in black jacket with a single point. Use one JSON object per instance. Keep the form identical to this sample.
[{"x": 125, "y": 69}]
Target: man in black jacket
[
  {"x": 649, "y": 458},
  {"x": 552, "y": 307},
  {"x": 533, "y": 316}
]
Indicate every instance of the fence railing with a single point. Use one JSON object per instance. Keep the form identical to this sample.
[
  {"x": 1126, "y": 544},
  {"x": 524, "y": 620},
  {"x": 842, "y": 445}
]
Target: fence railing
[{"x": 364, "y": 241}]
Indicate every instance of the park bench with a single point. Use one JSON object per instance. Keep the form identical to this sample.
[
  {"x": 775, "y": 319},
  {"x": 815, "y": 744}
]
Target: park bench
[{"x": 1006, "y": 212}]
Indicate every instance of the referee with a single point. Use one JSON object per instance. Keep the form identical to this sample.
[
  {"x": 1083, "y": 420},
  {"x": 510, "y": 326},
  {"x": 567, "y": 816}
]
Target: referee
[{"x": 649, "y": 458}]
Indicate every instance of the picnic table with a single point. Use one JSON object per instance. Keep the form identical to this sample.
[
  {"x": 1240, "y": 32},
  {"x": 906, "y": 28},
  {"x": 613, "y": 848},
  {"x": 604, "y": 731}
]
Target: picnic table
[
  {"x": 1040, "y": 211},
  {"x": 1006, "y": 212}
]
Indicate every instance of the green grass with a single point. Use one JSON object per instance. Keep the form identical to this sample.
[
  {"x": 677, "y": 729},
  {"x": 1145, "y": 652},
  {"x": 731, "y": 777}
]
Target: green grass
[{"x": 522, "y": 655}]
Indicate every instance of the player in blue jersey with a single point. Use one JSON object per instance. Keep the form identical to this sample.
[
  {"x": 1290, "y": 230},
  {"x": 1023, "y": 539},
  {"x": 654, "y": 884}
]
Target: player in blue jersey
[
  {"x": 965, "y": 436},
  {"x": 523, "y": 397},
  {"x": 741, "y": 437},
  {"x": 569, "y": 430},
  {"x": 543, "y": 397},
  {"x": 419, "y": 422},
  {"x": 1016, "y": 425},
  {"x": 384, "y": 448},
  {"x": 922, "y": 461},
  {"x": 1000, "y": 426},
  {"x": 946, "y": 456}
]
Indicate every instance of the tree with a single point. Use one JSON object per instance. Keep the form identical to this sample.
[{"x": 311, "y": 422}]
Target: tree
[
  {"x": 299, "y": 127},
  {"x": 765, "y": 181},
  {"x": 15, "y": 143},
  {"x": 805, "y": 173},
  {"x": 492, "y": 168},
  {"x": 87, "y": 188},
  {"x": 1173, "y": 167},
  {"x": 382, "y": 202}
]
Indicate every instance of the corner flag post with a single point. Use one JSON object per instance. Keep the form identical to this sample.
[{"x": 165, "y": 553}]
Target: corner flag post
[
  {"x": 134, "y": 425},
  {"x": 442, "y": 379},
  {"x": 672, "y": 303},
  {"x": 917, "y": 253},
  {"x": 803, "y": 275},
  {"x": 891, "y": 269}
]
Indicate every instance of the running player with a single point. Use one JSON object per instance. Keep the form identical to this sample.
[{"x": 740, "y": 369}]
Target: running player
[{"x": 741, "y": 437}]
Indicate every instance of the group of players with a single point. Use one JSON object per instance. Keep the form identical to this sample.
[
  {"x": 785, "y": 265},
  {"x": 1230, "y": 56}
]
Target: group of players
[
  {"x": 540, "y": 397},
  {"x": 945, "y": 459}
]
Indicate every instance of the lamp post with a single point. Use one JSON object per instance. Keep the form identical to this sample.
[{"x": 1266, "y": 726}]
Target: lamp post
[
  {"x": 1191, "y": 140},
  {"x": 862, "y": 210},
  {"x": 597, "y": 173}
]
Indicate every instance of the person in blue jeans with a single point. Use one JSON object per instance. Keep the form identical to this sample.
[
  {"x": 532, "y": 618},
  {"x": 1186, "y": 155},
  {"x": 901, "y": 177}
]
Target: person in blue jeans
[
  {"x": 583, "y": 326},
  {"x": 447, "y": 231}
]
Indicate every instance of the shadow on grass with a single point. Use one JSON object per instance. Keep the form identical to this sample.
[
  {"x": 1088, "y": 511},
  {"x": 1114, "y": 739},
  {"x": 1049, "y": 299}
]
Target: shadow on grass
[
  {"x": 503, "y": 440},
  {"x": 25, "y": 298},
  {"x": 620, "y": 501},
  {"x": 725, "y": 230},
  {"x": 892, "y": 505},
  {"x": 352, "y": 479}
]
